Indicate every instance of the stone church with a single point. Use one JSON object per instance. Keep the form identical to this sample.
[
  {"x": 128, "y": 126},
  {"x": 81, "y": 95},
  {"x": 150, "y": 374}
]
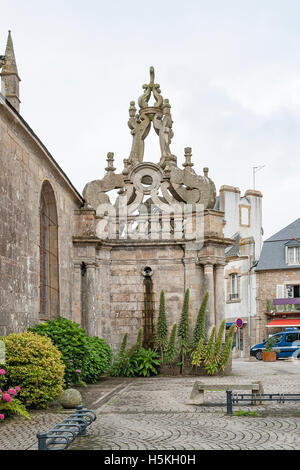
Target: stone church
[{"x": 102, "y": 258}]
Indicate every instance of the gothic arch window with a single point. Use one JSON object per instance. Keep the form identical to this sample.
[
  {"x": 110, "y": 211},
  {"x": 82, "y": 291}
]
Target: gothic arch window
[{"x": 49, "y": 262}]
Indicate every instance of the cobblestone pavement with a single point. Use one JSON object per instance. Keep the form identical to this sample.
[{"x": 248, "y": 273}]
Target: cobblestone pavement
[{"x": 152, "y": 414}]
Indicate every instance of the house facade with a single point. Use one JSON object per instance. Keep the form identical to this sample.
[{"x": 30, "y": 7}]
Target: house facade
[
  {"x": 243, "y": 223},
  {"x": 278, "y": 282}
]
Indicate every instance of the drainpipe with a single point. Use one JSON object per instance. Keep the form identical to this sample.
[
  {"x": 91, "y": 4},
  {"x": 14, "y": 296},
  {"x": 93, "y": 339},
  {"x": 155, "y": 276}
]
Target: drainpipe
[{"x": 184, "y": 268}]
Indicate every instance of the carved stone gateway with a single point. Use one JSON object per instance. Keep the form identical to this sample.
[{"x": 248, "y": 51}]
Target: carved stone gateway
[{"x": 163, "y": 219}]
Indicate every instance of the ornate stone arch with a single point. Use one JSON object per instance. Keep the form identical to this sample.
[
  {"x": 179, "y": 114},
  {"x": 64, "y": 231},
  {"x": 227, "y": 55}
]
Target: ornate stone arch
[{"x": 49, "y": 259}]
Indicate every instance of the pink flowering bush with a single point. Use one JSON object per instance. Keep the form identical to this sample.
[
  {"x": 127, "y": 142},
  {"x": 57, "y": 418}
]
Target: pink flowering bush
[{"x": 8, "y": 403}]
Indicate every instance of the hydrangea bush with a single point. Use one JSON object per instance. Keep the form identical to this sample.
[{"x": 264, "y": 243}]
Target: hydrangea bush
[
  {"x": 85, "y": 358},
  {"x": 9, "y": 404}
]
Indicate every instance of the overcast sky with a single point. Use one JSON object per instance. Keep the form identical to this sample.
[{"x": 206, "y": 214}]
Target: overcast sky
[{"x": 231, "y": 70}]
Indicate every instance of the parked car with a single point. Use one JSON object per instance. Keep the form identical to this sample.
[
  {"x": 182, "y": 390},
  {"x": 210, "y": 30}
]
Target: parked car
[{"x": 286, "y": 344}]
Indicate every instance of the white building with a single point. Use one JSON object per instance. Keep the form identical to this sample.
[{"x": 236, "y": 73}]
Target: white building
[{"x": 243, "y": 223}]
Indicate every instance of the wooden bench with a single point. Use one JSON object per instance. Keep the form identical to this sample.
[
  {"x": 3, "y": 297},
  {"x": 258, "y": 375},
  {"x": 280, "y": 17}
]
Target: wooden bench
[{"x": 197, "y": 394}]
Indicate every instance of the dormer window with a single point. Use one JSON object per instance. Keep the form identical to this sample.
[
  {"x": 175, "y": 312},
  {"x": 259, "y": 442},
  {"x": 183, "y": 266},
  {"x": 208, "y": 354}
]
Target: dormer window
[{"x": 293, "y": 252}]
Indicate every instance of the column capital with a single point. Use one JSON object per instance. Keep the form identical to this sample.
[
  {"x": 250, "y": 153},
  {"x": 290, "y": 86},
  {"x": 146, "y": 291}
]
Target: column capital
[
  {"x": 211, "y": 260},
  {"x": 220, "y": 265}
]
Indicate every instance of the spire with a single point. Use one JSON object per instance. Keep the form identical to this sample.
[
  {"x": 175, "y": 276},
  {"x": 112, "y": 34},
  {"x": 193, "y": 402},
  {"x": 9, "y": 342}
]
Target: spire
[{"x": 9, "y": 75}]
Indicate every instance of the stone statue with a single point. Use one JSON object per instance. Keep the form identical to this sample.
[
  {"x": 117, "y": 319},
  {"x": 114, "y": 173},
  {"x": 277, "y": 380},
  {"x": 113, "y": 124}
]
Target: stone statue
[{"x": 178, "y": 186}]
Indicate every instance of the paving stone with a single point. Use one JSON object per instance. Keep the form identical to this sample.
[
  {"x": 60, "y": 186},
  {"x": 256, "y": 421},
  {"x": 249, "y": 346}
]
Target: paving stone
[{"x": 137, "y": 414}]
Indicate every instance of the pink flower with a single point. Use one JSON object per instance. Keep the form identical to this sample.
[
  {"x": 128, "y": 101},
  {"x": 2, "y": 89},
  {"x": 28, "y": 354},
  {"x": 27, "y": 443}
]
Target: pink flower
[
  {"x": 17, "y": 389},
  {"x": 12, "y": 392},
  {"x": 7, "y": 397},
  {"x": 78, "y": 371},
  {"x": 2, "y": 372},
  {"x": 2, "y": 417},
  {"x": 71, "y": 360}
]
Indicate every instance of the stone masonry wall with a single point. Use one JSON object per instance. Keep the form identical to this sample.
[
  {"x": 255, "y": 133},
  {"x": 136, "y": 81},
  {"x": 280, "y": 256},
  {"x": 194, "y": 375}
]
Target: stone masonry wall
[
  {"x": 24, "y": 166},
  {"x": 120, "y": 288}
]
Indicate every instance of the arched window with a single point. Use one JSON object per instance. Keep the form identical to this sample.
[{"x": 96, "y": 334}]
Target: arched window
[{"x": 49, "y": 273}]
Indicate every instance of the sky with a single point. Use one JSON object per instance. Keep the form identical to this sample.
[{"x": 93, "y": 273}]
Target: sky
[{"x": 231, "y": 70}]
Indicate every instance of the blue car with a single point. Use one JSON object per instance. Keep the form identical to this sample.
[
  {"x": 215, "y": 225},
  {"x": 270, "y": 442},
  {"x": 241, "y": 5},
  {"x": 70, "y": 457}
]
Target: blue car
[{"x": 287, "y": 344}]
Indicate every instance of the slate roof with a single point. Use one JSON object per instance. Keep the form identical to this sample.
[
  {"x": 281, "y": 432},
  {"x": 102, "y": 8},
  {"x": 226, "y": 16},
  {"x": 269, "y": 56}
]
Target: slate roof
[
  {"x": 273, "y": 251},
  {"x": 234, "y": 250}
]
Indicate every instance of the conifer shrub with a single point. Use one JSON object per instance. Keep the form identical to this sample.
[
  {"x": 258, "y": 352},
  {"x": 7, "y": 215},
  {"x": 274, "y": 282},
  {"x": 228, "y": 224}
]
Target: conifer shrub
[
  {"x": 161, "y": 336},
  {"x": 171, "y": 351},
  {"x": 35, "y": 365},
  {"x": 199, "y": 330},
  {"x": 183, "y": 328}
]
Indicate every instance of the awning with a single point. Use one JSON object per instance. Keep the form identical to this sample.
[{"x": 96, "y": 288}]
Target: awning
[{"x": 284, "y": 322}]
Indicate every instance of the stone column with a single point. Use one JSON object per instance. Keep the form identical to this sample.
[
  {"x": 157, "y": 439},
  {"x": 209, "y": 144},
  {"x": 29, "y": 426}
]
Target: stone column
[
  {"x": 219, "y": 296},
  {"x": 76, "y": 294},
  {"x": 90, "y": 303},
  {"x": 209, "y": 286}
]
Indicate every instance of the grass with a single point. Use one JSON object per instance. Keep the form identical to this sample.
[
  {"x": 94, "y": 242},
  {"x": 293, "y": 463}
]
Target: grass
[{"x": 245, "y": 413}]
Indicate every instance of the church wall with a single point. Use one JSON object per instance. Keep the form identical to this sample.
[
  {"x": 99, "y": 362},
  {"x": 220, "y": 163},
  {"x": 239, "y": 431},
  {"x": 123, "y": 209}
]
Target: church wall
[{"x": 24, "y": 167}]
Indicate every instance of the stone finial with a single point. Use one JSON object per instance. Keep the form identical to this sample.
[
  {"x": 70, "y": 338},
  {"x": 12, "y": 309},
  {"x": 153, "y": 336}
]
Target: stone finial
[
  {"x": 126, "y": 162},
  {"x": 132, "y": 109},
  {"x": 188, "y": 157},
  {"x": 9, "y": 75},
  {"x": 166, "y": 106},
  {"x": 151, "y": 88},
  {"x": 110, "y": 162},
  {"x": 205, "y": 171}
]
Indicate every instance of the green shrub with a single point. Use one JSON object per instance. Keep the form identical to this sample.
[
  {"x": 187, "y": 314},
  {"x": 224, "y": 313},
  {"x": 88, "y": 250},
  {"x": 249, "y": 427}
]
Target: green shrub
[
  {"x": 170, "y": 351},
  {"x": 35, "y": 365},
  {"x": 135, "y": 361},
  {"x": 147, "y": 362},
  {"x": 99, "y": 360},
  {"x": 183, "y": 328},
  {"x": 142, "y": 362},
  {"x": 199, "y": 330},
  {"x": 213, "y": 355},
  {"x": 161, "y": 336},
  {"x": 85, "y": 358}
]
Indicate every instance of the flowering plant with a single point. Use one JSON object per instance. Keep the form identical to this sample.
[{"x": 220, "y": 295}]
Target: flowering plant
[{"x": 8, "y": 403}]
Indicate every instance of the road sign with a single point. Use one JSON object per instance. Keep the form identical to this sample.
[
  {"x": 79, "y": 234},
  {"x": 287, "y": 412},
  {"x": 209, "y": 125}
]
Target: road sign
[{"x": 239, "y": 323}]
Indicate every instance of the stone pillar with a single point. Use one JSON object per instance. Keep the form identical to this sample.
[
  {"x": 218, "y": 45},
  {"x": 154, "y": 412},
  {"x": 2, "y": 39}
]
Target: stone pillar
[
  {"x": 90, "y": 300},
  {"x": 219, "y": 296},
  {"x": 209, "y": 286},
  {"x": 76, "y": 294}
]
